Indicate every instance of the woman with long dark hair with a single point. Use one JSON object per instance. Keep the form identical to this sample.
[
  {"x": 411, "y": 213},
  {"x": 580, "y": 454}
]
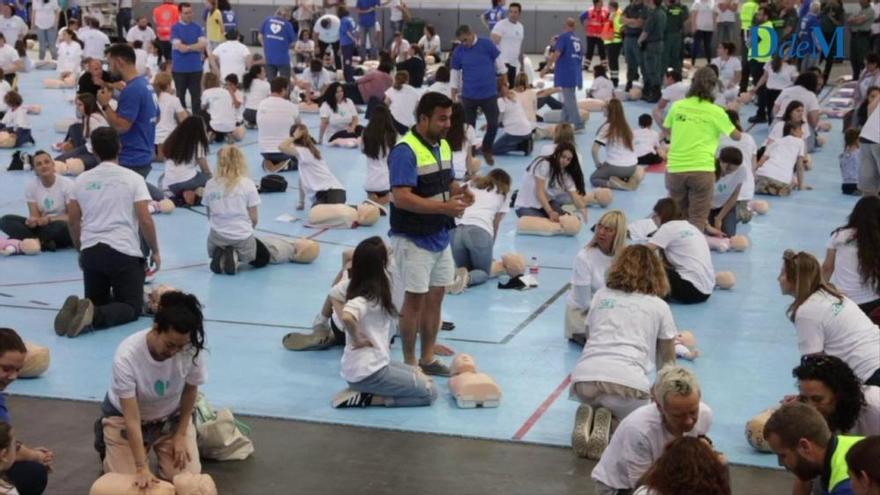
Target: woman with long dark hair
[
  {"x": 550, "y": 182},
  {"x": 827, "y": 322},
  {"x": 852, "y": 261},
  {"x": 462, "y": 138},
  {"x": 77, "y": 143},
  {"x": 339, "y": 116},
  {"x": 365, "y": 306},
  {"x": 186, "y": 162},
  {"x": 256, "y": 89},
  {"x": 378, "y": 139},
  {"x": 688, "y": 465}
]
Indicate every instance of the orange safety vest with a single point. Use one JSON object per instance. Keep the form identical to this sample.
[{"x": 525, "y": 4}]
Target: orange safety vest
[{"x": 165, "y": 16}]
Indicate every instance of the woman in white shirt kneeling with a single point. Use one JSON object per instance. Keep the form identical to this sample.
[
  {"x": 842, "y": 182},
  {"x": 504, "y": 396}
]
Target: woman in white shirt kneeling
[
  {"x": 339, "y": 118},
  {"x": 186, "y": 162},
  {"x": 588, "y": 272},
  {"x": 629, "y": 327},
  {"x": 620, "y": 169},
  {"x": 852, "y": 262},
  {"x": 402, "y": 99},
  {"x": 517, "y": 127},
  {"x": 156, "y": 378},
  {"x": 365, "y": 306}
]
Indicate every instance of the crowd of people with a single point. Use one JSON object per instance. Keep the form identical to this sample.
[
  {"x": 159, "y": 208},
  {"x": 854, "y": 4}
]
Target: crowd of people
[{"x": 171, "y": 86}]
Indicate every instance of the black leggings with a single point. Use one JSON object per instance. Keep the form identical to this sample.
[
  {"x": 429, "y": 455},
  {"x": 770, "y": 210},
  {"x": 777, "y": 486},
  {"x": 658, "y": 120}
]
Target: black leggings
[
  {"x": 28, "y": 477},
  {"x": 704, "y": 38},
  {"x": 54, "y": 235},
  {"x": 650, "y": 159},
  {"x": 870, "y": 306},
  {"x": 682, "y": 291},
  {"x": 594, "y": 44}
]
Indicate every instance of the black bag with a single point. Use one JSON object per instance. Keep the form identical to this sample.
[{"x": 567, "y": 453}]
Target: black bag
[{"x": 273, "y": 183}]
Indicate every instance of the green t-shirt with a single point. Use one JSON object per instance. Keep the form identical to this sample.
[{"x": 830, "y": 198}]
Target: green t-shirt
[
  {"x": 696, "y": 127},
  {"x": 676, "y": 15}
]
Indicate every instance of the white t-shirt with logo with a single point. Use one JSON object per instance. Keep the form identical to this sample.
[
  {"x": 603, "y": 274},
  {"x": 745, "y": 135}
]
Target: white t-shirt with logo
[
  {"x": 176, "y": 173},
  {"x": 275, "y": 117},
  {"x": 106, "y": 195},
  {"x": 727, "y": 69},
  {"x": 403, "y": 104},
  {"x": 13, "y": 28},
  {"x": 588, "y": 270},
  {"x": 260, "y": 90},
  {"x": 846, "y": 276},
  {"x": 622, "y": 344},
  {"x": 232, "y": 56},
  {"x": 725, "y": 186},
  {"x": 375, "y": 325},
  {"x": 218, "y": 103},
  {"x": 157, "y": 385},
  {"x": 782, "y": 158},
  {"x": 52, "y": 200},
  {"x": 826, "y": 325},
  {"x": 169, "y": 107},
  {"x": 94, "y": 42},
  {"x": 782, "y": 79},
  {"x": 645, "y": 141},
  {"x": 44, "y": 13},
  {"x": 314, "y": 174},
  {"x": 638, "y": 442},
  {"x": 616, "y": 153},
  {"x": 528, "y": 195},
  {"x": 69, "y": 57},
  {"x": 486, "y": 205},
  {"x": 510, "y": 46},
  {"x": 228, "y": 209},
  {"x": 687, "y": 251},
  {"x": 342, "y": 117},
  {"x": 145, "y": 36},
  {"x": 749, "y": 149},
  {"x": 514, "y": 118}
]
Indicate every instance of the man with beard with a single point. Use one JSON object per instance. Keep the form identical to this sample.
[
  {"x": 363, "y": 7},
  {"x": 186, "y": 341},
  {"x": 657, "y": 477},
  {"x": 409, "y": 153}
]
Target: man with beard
[{"x": 799, "y": 436}]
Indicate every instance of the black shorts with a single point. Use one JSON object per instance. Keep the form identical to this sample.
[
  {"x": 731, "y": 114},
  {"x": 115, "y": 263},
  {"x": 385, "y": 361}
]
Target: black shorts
[
  {"x": 380, "y": 194},
  {"x": 330, "y": 197},
  {"x": 277, "y": 158}
]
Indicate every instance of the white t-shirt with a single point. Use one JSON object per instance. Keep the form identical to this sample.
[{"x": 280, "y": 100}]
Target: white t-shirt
[
  {"x": 16, "y": 119},
  {"x": 96, "y": 121},
  {"x": 8, "y": 54},
  {"x": 402, "y": 49},
  {"x": 331, "y": 34},
  {"x": 705, "y": 12},
  {"x": 528, "y": 195},
  {"x": 232, "y": 56},
  {"x": 782, "y": 156},
  {"x": 871, "y": 129},
  {"x": 376, "y": 325},
  {"x": 304, "y": 47},
  {"x": 145, "y": 36},
  {"x": 176, "y": 173},
  {"x": 868, "y": 422},
  {"x": 846, "y": 276},
  {"x": 514, "y": 118},
  {"x": 260, "y": 90},
  {"x": 728, "y": 15},
  {"x": 459, "y": 158},
  {"x": 645, "y": 141},
  {"x": 140, "y": 61},
  {"x": 779, "y": 126},
  {"x": 796, "y": 93},
  {"x": 314, "y": 174},
  {"x": 396, "y": 11},
  {"x": 69, "y": 57},
  {"x": 588, "y": 270},
  {"x": 528, "y": 100},
  {"x": 727, "y": 69},
  {"x": 318, "y": 79},
  {"x": 440, "y": 87},
  {"x": 782, "y": 79},
  {"x": 746, "y": 145},
  {"x": 616, "y": 153},
  {"x": 94, "y": 42},
  {"x": 674, "y": 92},
  {"x": 378, "y": 175},
  {"x": 4, "y": 88},
  {"x": 218, "y": 103},
  {"x": 403, "y": 104},
  {"x": 431, "y": 45},
  {"x": 275, "y": 117},
  {"x": 152, "y": 65},
  {"x": 486, "y": 205},
  {"x": 44, "y": 14},
  {"x": 687, "y": 251},
  {"x": 342, "y": 117},
  {"x": 169, "y": 107},
  {"x": 13, "y": 28},
  {"x": 826, "y": 325},
  {"x": 157, "y": 385},
  {"x": 106, "y": 195},
  {"x": 637, "y": 443},
  {"x": 50, "y": 201},
  {"x": 602, "y": 89},
  {"x": 228, "y": 210},
  {"x": 622, "y": 344},
  {"x": 510, "y": 46},
  {"x": 725, "y": 186}
]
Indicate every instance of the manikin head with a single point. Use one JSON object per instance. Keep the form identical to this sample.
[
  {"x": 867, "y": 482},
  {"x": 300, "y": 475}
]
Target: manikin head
[
  {"x": 677, "y": 395},
  {"x": 12, "y": 354},
  {"x": 799, "y": 436}
]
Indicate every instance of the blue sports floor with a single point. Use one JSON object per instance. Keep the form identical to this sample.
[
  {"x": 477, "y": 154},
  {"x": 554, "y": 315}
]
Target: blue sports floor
[{"x": 748, "y": 345}]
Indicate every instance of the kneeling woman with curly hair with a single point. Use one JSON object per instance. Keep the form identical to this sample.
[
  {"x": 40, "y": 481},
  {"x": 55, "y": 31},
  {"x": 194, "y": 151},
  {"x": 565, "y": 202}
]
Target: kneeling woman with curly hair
[{"x": 688, "y": 465}]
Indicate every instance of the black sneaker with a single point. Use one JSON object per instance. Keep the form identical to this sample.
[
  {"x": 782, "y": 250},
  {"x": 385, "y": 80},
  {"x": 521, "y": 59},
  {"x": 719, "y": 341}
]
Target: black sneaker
[
  {"x": 351, "y": 398},
  {"x": 68, "y": 310},
  {"x": 217, "y": 260},
  {"x": 230, "y": 260},
  {"x": 757, "y": 119},
  {"x": 16, "y": 163},
  {"x": 530, "y": 145}
]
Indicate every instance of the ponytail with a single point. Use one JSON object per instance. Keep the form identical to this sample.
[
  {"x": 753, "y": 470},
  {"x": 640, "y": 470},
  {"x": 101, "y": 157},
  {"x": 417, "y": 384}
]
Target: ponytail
[{"x": 181, "y": 313}]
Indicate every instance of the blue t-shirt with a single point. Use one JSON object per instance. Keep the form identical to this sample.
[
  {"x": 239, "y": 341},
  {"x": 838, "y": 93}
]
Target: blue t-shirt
[
  {"x": 404, "y": 173},
  {"x": 477, "y": 66},
  {"x": 188, "y": 33},
  {"x": 494, "y": 15},
  {"x": 230, "y": 20},
  {"x": 347, "y": 29},
  {"x": 278, "y": 35},
  {"x": 567, "y": 73},
  {"x": 4, "y": 413},
  {"x": 367, "y": 20},
  {"x": 808, "y": 24},
  {"x": 137, "y": 104}
]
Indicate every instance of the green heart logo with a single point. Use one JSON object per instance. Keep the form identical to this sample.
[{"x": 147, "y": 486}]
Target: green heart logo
[{"x": 161, "y": 387}]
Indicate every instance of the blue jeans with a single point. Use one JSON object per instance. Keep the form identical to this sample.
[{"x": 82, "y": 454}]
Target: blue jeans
[
  {"x": 199, "y": 180},
  {"x": 472, "y": 249},
  {"x": 489, "y": 106},
  {"x": 367, "y": 34},
  {"x": 400, "y": 385},
  {"x": 508, "y": 142},
  {"x": 47, "y": 42},
  {"x": 570, "y": 111},
  {"x": 347, "y": 63},
  {"x": 633, "y": 57}
]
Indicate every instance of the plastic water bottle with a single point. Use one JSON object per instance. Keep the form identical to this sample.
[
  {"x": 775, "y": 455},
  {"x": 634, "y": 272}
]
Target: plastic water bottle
[{"x": 533, "y": 266}]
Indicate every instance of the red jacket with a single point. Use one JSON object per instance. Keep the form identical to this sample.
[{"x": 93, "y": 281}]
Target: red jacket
[
  {"x": 165, "y": 16},
  {"x": 594, "y": 21}
]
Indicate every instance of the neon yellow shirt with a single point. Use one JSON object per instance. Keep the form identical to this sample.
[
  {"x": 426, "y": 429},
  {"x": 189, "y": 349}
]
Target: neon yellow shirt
[
  {"x": 696, "y": 126},
  {"x": 214, "y": 27},
  {"x": 747, "y": 13}
]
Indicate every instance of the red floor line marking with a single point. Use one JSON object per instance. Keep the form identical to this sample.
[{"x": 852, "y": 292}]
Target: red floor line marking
[
  {"x": 524, "y": 429},
  {"x": 69, "y": 280},
  {"x": 316, "y": 234}
]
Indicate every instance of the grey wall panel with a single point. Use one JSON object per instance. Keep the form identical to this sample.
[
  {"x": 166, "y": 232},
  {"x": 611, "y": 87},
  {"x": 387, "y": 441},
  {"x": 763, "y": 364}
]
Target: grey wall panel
[{"x": 446, "y": 21}]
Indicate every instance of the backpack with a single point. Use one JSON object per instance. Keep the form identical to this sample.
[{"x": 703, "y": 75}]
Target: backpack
[{"x": 273, "y": 183}]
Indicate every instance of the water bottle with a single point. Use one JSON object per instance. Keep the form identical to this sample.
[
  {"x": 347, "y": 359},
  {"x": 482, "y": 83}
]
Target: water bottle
[{"x": 533, "y": 266}]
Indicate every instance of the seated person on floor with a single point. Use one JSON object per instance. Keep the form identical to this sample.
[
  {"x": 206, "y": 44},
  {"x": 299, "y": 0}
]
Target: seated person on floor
[
  {"x": 256, "y": 89},
  {"x": 339, "y": 118},
  {"x": 313, "y": 82},
  {"x": 153, "y": 389},
  {"x": 518, "y": 129},
  {"x": 171, "y": 112},
  {"x": 218, "y": 107},
  {"x": 315, "y": 178},
  {"x": 379, "y": 137},
  {"x": 76, "y": 144},
  {"x": 276, "y": 115},
  {"x": 706, "y": 469},
  {"x": 462, "y": 138},
  {"x": 15, "y": 127},
  {"x": 550, "y": 182},
  {"x": 368, "y": 313},
  {"x": 851, "y": 263},
  {"x": 186, "y": 163},
  {"x": 730, "y": 177},
  {"x": 642, "y": 436},
  {"x": 46, "y": 195},
  {"x": 588, "y": 272},
  {"x": 646, "y": 142},
  {"x": 620, "y": 169},
  {"x": 630, "y": 328}
]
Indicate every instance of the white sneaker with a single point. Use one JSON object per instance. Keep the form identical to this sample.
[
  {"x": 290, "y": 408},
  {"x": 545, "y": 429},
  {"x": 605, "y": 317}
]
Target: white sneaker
[
  {"x": 598, "y": 440},
  {"x": 581, "y": 431}
]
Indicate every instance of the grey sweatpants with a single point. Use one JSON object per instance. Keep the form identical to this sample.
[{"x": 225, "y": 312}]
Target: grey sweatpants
[
  {"x": 869, "y": 175},
  {"x": 245, "y": 248}
]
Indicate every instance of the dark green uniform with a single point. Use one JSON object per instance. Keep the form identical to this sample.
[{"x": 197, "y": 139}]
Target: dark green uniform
[
  {"x": 654, "y": 28},
  {"x": 676, "y": 16}
]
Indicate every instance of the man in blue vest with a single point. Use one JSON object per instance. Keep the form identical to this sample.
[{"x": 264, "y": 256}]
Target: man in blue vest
[
  {"x": 567, "y": 59},
  {"x": 799, "y": 436},
  {"x": 427, "y": 198}
]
